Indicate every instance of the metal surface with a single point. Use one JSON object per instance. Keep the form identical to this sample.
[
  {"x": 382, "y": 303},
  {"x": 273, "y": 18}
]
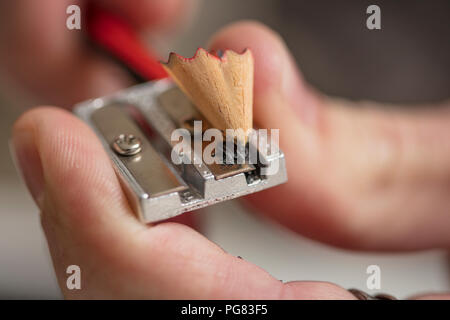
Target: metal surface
[
  {"x": 157, "y": 188},
  {"x": 127, "y": 145}
]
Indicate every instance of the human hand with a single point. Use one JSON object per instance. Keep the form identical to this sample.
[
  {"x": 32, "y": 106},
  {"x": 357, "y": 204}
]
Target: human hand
[{"x": 63, "y": 163}]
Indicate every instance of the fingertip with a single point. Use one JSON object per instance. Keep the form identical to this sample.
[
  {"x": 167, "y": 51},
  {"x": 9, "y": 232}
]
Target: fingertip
[
  {"x": 277, "y": 80},
  {"x": 267, "y": 47},
  {"x": 26, "y": 119}
]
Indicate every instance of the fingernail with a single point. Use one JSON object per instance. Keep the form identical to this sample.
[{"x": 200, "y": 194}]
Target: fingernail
[{"x": 28, "y": 163}]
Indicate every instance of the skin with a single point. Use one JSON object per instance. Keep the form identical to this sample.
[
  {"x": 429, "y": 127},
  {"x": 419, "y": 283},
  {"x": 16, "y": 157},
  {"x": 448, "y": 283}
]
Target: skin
[{"x": 360, "y": 178}]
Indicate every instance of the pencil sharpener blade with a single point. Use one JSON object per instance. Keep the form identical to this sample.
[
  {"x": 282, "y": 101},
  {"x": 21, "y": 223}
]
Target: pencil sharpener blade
[{"x": 139, "y": 121}]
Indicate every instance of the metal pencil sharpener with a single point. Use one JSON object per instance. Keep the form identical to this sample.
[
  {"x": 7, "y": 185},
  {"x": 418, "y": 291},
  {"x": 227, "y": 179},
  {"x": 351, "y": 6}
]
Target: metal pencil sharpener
[{"x": 135, "y": 127}]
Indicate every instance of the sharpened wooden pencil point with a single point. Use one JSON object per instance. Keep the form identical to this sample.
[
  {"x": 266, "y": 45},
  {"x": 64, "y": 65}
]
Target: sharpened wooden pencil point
[{"x": 220, "y": 87}]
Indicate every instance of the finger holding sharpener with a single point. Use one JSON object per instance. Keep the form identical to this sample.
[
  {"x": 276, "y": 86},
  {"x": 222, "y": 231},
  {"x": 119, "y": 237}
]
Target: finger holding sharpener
[{"x": 184, "y": 142}]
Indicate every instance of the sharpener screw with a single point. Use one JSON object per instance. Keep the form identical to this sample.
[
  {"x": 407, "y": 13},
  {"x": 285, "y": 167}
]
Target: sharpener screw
[{"x": 127, "y": 145}]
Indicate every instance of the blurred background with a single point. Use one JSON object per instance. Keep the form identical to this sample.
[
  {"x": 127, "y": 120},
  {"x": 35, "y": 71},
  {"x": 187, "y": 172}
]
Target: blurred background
[{"x": 407, "y": 61}]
